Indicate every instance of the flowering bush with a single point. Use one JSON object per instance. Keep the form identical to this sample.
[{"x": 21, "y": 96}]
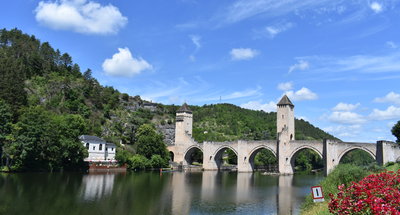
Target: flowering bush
[{"x": 375, "y": 194}]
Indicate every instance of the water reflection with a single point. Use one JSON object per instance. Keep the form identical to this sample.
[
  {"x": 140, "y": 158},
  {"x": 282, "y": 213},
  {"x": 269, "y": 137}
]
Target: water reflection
[
  {"x": 96, "y": 186},
  {"x": 176, "y": 193}
]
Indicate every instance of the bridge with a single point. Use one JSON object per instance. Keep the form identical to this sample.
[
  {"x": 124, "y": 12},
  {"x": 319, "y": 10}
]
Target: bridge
[{"x": 285, "y": 148}]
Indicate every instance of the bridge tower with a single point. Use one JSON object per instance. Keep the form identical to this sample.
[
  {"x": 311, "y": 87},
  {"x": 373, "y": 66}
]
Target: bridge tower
[
  {"x": 183, "y": 133},
  {"x": 285, "y": 132},
  {"x": 285, "y": 118},
  {"x": 184, "y": 122}
]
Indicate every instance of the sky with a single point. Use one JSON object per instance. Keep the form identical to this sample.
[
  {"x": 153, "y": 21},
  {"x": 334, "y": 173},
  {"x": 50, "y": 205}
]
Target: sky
[{"x": 338, "y": 61}]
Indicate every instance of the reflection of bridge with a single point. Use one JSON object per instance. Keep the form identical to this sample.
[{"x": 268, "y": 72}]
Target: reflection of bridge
[{"x": 285, "y": 148}]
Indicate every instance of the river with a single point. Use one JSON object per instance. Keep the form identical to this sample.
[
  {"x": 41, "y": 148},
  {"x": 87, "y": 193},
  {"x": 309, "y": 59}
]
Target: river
[{"x": 176, "y": 193}]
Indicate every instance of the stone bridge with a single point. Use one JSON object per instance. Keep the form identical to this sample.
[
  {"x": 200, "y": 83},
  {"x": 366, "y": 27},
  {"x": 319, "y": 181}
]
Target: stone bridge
[{"x": 285, "y": 148}]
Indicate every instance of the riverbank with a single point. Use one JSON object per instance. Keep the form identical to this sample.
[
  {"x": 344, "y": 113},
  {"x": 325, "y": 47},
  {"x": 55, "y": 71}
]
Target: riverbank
[{"x": 343, "y": 174}]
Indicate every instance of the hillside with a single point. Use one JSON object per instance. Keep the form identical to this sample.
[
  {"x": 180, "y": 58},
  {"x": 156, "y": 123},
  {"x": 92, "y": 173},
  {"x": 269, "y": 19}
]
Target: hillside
[{"x": 33, "y": 74}]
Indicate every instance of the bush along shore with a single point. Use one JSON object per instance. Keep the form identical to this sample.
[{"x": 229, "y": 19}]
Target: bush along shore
[{"x": 351, "y": 189}]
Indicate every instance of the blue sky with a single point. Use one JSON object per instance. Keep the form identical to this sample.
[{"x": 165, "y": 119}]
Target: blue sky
[{"x": 338, "y": 61}]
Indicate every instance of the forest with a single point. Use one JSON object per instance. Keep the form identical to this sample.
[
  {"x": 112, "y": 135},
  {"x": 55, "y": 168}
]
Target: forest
[{"x": 47, "y": 101}]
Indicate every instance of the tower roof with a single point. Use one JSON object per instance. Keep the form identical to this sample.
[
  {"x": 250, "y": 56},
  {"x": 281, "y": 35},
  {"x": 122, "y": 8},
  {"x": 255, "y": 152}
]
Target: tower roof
[
  {"x": 285, "y": 101},
  {"x": 184, "y": 109}
]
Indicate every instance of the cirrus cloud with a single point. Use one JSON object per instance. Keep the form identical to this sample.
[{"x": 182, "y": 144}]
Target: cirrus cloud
[
  {"x": 123, "y": 64},
  {"x": 81, "y": 16}
]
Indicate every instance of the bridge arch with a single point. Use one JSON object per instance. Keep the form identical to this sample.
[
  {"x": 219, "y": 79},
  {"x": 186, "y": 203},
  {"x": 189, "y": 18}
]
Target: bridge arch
[
  {"x": 256, "y": 150},
  {"x": 295, "y": 152},
  {"x": 219, "y": 152},
  {"x": 188, "y": 153},
  {"x": 354, "y": 148}
]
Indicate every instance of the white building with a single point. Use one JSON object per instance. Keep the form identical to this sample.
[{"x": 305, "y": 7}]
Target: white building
[{"x": 99, "y": 150}]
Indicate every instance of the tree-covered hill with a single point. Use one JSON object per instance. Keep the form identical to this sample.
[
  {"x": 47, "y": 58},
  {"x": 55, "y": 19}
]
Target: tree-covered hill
[{"x": 37, "y": 80}]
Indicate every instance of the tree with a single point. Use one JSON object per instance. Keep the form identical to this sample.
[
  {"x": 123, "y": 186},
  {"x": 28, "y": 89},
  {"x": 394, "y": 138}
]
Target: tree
[
  {"x": 150, "y": 143},
  {"x": 5, "y": 125},
  {"x": 396, "y": 131},
  {"x": 43, "y": 141}
]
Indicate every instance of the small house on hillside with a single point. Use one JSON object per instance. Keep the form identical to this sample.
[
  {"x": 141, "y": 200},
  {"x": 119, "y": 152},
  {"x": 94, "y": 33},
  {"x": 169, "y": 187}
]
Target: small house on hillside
[{"x": 99, "y": 150}]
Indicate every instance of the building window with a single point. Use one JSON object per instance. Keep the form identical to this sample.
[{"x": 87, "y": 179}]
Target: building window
[
  {"x": 94, "y": 147},
  {"x": 87, "y": 146},
  {"x": 112, "y": 149},
  {"x": 100, "y": 147},
  {"x": 283, "y": 116}
]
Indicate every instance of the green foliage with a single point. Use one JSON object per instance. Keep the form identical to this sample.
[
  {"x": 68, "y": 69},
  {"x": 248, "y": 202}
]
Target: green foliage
[
  {"x": 157, "y": 161},
  {"x": 358, "y": 157},
  {"x": 45, "y": 142},
  {"x": 122, "y": 156},
  {"x": 150, "y": 143},
  {"x": 396, "y": 131},
  {"x": 307, "y": 160},
  {"x": 232, "y": 157},
  {"x": 264, "y": 158},
  {"x": 138, "y": 162}
]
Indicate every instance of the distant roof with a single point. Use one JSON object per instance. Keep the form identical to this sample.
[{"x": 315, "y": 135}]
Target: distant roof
[
  {"x": 285, "y": 101},
  {"x": 184, "y": 108},
  {"x": 91, "y": 138}
]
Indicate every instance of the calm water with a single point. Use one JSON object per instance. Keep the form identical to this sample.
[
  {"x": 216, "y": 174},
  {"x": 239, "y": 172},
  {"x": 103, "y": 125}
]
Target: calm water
[{"x": 175, "y": 193}]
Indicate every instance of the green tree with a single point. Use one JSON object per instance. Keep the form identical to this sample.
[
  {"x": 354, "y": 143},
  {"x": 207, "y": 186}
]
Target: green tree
[
  {"x": 396, "y": 131},
  {"x": 43, "y": 141},
  {"x": 5, "y": 125},
  {"x": 150, "y": 143}
]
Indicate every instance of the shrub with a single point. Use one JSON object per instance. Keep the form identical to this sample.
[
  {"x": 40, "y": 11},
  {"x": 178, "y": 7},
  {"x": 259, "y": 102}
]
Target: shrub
[
  {"x": 375, "y": 194},
  {"x": 157, "y": 161},
  {"x": 138, "y": 162}
]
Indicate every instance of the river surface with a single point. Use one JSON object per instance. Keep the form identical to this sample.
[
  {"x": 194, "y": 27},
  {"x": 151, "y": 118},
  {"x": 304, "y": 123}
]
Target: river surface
[{"x": 142, "y": 193}]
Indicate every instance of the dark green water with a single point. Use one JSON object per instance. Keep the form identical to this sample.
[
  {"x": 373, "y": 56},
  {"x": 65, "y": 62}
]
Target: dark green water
[{"x": 177, "y": 193}]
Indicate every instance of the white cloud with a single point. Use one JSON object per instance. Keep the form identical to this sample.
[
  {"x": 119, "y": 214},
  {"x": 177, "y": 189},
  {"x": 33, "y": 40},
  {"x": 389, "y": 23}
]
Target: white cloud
[
  {"x": 243, "y": 53},
  {"x": 391, "y": 97},
  {"x": 285, "y": 86},
  {"x": 81, "y": 16},
  {"x": 376, "y": 7},
  {"x": 196, "y": 40},
  {"x": 346, "y": 117},
  {"x": 391, "y": 112},
  {"x": 345, "y": 107},
  {"x": 302, "y": 94},
  {"x": 391, "y": 44},
  {"x": 258, "y": 105},
  {"x": 274, "y": 30},
  {"x": 344, "y": 131},
  {"x": 123, "y": 64},
  {"x": 303, "y": 118},
  {"x": 301, "y": 65}
]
